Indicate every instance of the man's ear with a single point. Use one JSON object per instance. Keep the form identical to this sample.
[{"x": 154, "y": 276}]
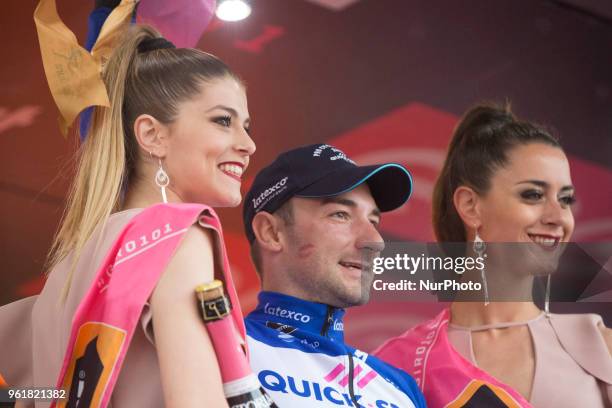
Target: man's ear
[
  {"x": 151, "y": 135},
  {"x": 266, "y": 229},
  {"x": 467, "y": 203}
]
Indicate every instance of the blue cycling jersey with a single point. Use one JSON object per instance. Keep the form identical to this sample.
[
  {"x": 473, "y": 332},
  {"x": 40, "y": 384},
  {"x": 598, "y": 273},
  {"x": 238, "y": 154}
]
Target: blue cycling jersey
[{"x": 299, "y": 355}]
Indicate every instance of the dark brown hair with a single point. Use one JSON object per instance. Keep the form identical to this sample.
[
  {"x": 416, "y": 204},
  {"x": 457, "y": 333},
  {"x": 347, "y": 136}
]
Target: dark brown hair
[{"x": 479, "y": 146}]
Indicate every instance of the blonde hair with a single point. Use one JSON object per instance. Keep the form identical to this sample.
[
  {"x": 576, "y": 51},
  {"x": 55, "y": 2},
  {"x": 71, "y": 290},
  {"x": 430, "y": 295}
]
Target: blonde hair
[{"x": 152, "y": 82}]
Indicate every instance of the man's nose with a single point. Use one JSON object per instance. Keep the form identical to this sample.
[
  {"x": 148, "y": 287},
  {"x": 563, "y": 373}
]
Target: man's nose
[{"x": 370, "y": 239}]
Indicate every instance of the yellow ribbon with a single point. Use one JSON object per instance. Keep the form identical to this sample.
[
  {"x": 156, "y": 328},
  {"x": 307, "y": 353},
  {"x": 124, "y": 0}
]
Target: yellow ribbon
[{"x": 73, "y": 73}]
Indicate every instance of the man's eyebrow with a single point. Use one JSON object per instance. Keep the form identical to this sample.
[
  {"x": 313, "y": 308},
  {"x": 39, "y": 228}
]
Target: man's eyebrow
[
  {"x": 543, "y": 184},
  {"x": 338, "y": 200},
  {"x": 347, "y": 202}
]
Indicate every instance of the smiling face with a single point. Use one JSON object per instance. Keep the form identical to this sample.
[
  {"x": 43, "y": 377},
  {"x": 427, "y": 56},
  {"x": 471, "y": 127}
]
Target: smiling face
[
  {"x": 530, "y": 202},
  {"x": 209, "y": 146},
  {"x": 326, "y": 244},
  {"x": 530, "y": 198}
]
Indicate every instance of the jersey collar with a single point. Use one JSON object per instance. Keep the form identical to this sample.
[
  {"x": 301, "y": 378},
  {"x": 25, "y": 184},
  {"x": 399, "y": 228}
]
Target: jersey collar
[{"x": 312, "y": 317}]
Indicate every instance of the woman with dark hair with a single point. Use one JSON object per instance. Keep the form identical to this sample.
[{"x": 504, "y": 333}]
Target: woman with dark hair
[
  {"x": 506, "y": 181},
  {"x": 176, "y": 132}
]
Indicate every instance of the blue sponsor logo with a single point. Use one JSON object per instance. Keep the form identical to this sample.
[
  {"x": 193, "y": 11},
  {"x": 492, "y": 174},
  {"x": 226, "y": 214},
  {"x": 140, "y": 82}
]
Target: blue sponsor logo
[
  {"x": 338, "y": 325},
  {"x": 275, "y": 382}
]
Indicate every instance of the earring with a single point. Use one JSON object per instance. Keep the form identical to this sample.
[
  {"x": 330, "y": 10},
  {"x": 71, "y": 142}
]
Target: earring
[
  {"x": 162, "y": 180},
  {"x": 479, "y": 248},
  {"x": 547, "y": 297}
]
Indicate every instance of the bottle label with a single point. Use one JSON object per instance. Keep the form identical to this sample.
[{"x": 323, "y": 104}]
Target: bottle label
[
  {"x": 247, "y": 393},
  {"x": 254, "y": 399},
  {"x": 215, "y": 309}
]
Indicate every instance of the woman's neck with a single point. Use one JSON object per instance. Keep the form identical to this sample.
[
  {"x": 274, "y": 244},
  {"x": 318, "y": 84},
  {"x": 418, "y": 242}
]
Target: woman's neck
[
  {"x": 510, "y": 294},
  {"x": 470, "y": 314},
  {"x": 144, "y": 193}
]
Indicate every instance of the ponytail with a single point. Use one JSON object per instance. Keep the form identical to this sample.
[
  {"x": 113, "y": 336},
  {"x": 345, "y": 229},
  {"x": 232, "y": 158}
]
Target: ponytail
[
  {"x": 478, "y": 147},
  {"x": 152, "y": 82}
]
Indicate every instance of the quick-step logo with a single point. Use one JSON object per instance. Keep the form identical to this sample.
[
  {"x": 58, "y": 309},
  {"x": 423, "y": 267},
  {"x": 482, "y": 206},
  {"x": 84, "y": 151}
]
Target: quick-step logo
[
  {"x": 338, "y": 325},
  {"x": 325, "y": 392}
]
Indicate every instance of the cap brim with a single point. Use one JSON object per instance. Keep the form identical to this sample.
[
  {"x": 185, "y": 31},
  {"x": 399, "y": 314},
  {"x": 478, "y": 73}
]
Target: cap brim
[{"x": 390, "y": 184}]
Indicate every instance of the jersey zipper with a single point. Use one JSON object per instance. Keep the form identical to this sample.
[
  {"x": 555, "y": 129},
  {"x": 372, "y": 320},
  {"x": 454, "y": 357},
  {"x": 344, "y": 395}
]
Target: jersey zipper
[
  {"x": 351, "y": 374},
  {"x": 328, "y": 321}
]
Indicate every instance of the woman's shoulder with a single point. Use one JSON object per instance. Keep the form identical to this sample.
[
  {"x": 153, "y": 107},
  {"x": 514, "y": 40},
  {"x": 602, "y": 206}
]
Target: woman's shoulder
[
  {"x": 99, "y": 241},
  {"x": 121, "y": 218},
  {"x": 606, "y": 332},
  {"x": 177, "y": 213},
  {"x": 591, "y": 320},
  {"x": 174, "y": 209},
  {"x": 577, "y": 323},
  {"x": 587, "y": 340}
]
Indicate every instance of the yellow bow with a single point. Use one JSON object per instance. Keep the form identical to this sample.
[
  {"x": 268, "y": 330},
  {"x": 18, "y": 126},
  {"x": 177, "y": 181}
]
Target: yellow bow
[{"x": 73, "y": 73}]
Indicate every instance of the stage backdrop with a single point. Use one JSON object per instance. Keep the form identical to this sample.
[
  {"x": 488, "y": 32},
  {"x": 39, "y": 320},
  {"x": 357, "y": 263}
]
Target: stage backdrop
[{"x": 385, "y": 80}]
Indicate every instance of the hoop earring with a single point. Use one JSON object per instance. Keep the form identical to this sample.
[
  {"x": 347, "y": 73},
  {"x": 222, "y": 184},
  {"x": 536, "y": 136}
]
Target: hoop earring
[
  {"x": 480, "y": 247},
  {"x": 162, "y": 180},
  {"x": 547, "y": 297}
]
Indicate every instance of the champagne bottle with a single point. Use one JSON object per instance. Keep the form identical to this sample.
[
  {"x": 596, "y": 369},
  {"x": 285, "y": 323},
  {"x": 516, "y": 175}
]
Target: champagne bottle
[{"x": 241, "y": 387}]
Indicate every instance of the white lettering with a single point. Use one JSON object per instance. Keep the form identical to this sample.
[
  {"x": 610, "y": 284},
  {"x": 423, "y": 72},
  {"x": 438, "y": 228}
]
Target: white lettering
[
  {"x": 338, "y": 325},
  {"x": 287, "y": 314},
  {"x": 130, "y": 246},
  {"x": 270, "y": 190},
  {"x": 450, "y": 284}
]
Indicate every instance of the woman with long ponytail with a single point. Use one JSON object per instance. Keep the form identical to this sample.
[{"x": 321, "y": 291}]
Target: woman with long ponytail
[
  {"x": 504, "y": 196},
  {"x": 117, "y": 323}
]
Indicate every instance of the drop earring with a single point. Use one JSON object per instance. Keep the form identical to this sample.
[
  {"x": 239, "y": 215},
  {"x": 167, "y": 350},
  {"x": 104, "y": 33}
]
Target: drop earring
[
  {"x": 547, "y": 297},
  {"x": 479, "y": 248},
  {"x": 162, "y": 180}
]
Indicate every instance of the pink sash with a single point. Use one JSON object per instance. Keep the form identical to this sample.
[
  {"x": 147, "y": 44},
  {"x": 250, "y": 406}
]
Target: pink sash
[
  {"x": 106, "y": 319},
  {"x": 445, "y": 377}
]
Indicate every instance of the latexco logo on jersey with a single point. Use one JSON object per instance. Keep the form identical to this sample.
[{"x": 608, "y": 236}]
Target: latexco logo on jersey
[{"x": 287, "y": 314}]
